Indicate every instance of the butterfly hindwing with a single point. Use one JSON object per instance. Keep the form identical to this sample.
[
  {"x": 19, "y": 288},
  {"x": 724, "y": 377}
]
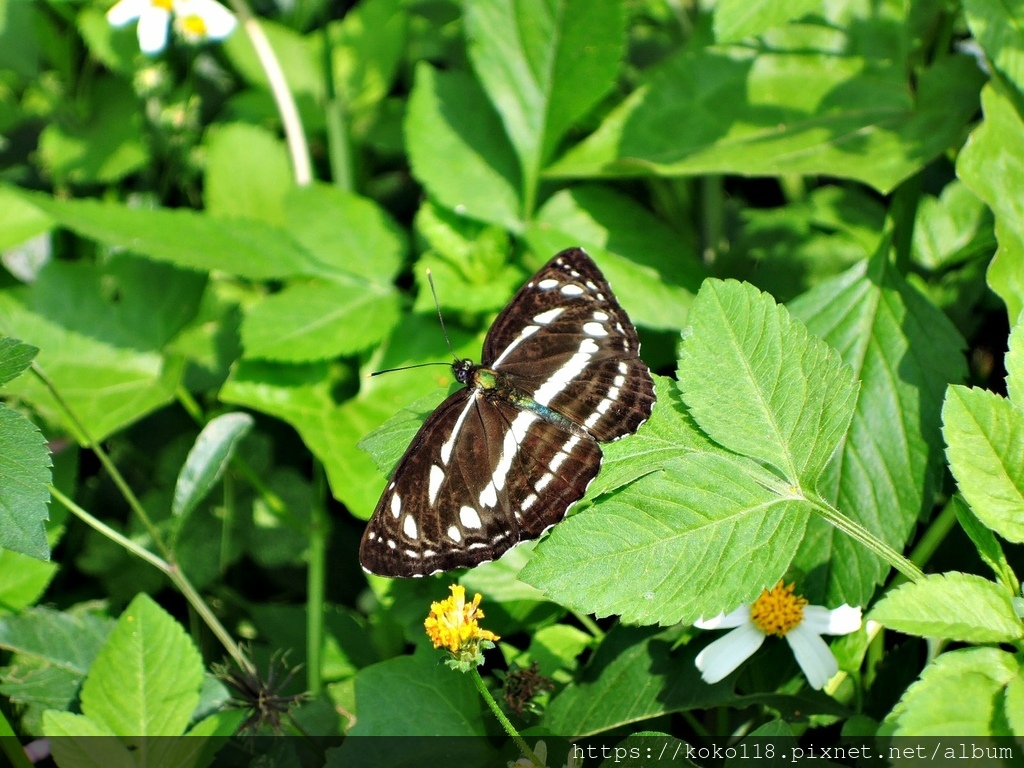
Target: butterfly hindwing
[{"x": 502, "y": 460}]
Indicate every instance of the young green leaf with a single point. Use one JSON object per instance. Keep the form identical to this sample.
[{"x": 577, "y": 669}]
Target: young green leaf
[
  {"x": 209, "y": 457},
  {"x": 458, "y": 149},
  {"x": 985, "y": 436},
  {"x": 544, "y": 65},
  {"x": 23, "y": 579},
  {"x": 145, "y": 680},
  {"x": 15, "y": 357},
  {"x": 882, "y": 476},
  {"x": 1014, "y": 362},
  {"x": 758, "y": 384},
  {"x": 956, "y": 606},
  {"x": 1000, "y": 140},
  {"x": 958, "y": 693},
  {"x": 989, "y": 549},
  {"x": 996, "y": 28},
  {"x": 25, "y": 469},
  {"x": 736, "y": 19}
]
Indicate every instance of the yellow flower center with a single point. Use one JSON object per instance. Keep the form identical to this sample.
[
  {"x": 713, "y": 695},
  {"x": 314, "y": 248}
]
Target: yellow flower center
[
  {"x": 452, "y": 622},
  {"x": 192, "y": 26},
  {"x": 165, "y": 4},
  {"x": 777, "y": 611}
]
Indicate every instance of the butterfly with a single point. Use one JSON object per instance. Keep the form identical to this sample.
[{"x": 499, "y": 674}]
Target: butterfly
[{"x": 501, "y": 460}]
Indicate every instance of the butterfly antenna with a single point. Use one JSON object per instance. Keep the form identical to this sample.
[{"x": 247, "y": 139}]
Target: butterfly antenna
[
  {"x": 430, "y": 279},
  {"x": 408, "y": 367}
]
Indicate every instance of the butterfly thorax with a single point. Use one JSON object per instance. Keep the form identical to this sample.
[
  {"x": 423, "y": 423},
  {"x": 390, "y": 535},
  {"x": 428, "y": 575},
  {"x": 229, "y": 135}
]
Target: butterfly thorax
[{"x": 496, "y": 385}]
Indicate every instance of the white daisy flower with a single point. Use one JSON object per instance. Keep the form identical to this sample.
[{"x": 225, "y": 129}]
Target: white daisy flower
[
  {"x": 153, "y": 16},
  {"x": 777, "y": 612},
  {"x": 200, "y": 20}
]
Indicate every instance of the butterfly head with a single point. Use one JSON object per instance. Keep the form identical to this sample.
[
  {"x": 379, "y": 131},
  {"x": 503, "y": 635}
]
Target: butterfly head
[{"x": 463, "y": 370}]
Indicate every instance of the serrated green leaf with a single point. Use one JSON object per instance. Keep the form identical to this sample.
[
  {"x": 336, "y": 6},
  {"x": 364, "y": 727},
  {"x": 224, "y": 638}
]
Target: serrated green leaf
[
  {"x": 958, "y": 693},
  {"x": 389, "y": 441},
  {"x": 1014, "y": 362},
  {"x": 839, "y": 115},
  {"x": 15, "y": 357},
  {"x": 1000, "y": 140},
  {"x": 350, "y": 233},
  {"x": 703, "y": 535},
  {"x": 213, "y": 450},
  {"x": 145, "y": 680},
  {"x": 318, "y": 321},
  {"x": 458, "y": 149},
  {"x": 758, "y": 384},
  {"x": 247, "y": 173},
  {"x": 984, "y": 540},
  {"x": 984, "y": 436},
  {"x": 957, "y": 606},
  {"x": 24, "y": 476},
  {"x": 544, "y": 64},
  {"x": 736, "y": 19},
  {"x": 904, "y": 351},
  {"x": 80, "y": 742},
  {"x": 186, "y": 238}
]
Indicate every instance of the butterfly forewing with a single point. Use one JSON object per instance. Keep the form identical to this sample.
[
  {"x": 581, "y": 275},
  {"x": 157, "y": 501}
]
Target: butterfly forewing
[{"x": 503, "y": 460}]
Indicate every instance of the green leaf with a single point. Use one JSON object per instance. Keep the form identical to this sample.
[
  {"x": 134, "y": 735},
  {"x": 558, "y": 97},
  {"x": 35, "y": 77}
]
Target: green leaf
[
  {"x": 1014, "y": 362},
  {"x": 24, "y": 476},
  {"x": 1014, "y": 704},
  {"x": 15, "y": 358},
  {"x": 351, "y": 234},
  {"x": 989, "y": 549},
  {"x": 951, "y": 228},
  {"x": 458, "y": 149},
  {"x": 80, "y": 742},
  {"x": 956, "y": 606},
  {"x": 318, "y": 321},
  {"x": 960, "y": 692},
  {"x": 996, "y": 26},
  {"x": 416, "y": 696},
  {"x": 145, "y": 680},
  {"x": 544, "y": 65},
  {"x": 758, "y": 384},
  {"x": 114, "y": 49},
  {"x": 667, "y": 549},
  {"x": 209, "y": 457},
  {"x": 105, "y": 147},
  {"x": 19, "y": 220},
  {"x": 817, "y": 113},
  {"x": 999, "y": 141},
  {"x": 904, "y": 351},
  {"x": 248, "y": 173},
  {"x": 303, "y": 70},
  {"x": 736, "y": 19},
  {"x": 53, "y": 651},
  {"x": 388, "y": 442},
  {"x": 23, "y": 579},
  {"x": 984, "y": 435},
  {"x": 185, "y": 238}
]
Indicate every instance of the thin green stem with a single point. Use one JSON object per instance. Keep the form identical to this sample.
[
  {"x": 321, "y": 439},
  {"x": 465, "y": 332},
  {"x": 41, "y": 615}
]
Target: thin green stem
[
  {"x": 590, "y": 625},
  {"x": 302, "y": 168},
  {"x": 316, "y": 579},
  {"x": 11, "y": 746},
  {"x": 505, "y": 722},
  {"x": 226, "y": 522},
  {"x": 172, "y": 571},
  {"x": 712, "y": 203},
  {"x": 863, "y": 536},
  {"x": 339, "y": 148},
  {"x": 106, "y": 461}
]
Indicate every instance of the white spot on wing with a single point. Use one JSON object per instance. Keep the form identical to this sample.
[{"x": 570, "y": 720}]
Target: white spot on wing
[
  {"x": 409, "y": 527},
  {"x": 396, "y": 506},
  {"x": 560, "y": 379},
  {"x": 558, "y": 460},
  {"x": 436, "y": 478},
  {"x": 545, "y": 481},
  {"x": 454, "y": 534},
  {"x": 546, "y": 317},
  {"x": 572, "y": 290},
  {"x": 509, "y": 447},
  {"x": 601, "y": 316},
  {"x": 526, "y": 333},
  {"x": 469, "y": 518},
  {"x": 529, "y": 501},
  {"x": 547, "y": 284},
  {"x": 413, "y": 554},
  {"x": 594, "y": 329}
]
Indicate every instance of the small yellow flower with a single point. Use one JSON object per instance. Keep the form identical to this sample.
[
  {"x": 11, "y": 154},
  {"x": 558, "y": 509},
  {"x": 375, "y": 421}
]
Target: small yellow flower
[
  {"x": 453, "y": 624},
  {"x": 780, "y": 612}
]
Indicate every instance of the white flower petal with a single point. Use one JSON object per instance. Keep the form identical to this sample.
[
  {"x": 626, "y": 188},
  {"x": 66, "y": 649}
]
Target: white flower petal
[
  {"x": 153, "y": 29},
  {"x": 220, "y": 22},
  {"x": 729, "y": 620},
  {"x": 126, "y": 11},
  {"x": 813, "y": 656},
  {"x": 724, "y": 655},
  {"x": 839, "y": 621}
]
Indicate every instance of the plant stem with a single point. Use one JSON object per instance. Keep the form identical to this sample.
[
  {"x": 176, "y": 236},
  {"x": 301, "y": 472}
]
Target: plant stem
[
  {"x": 860, "y": 534},
  {"x": 106, "y": 461},
  {"x": 505, "y": 722},
  {"x": 316, "y": 578},
  {"x": 11, "y": 746},
  {"x": 302, "y": 168},
  {"x": 590, "y": 625}
]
